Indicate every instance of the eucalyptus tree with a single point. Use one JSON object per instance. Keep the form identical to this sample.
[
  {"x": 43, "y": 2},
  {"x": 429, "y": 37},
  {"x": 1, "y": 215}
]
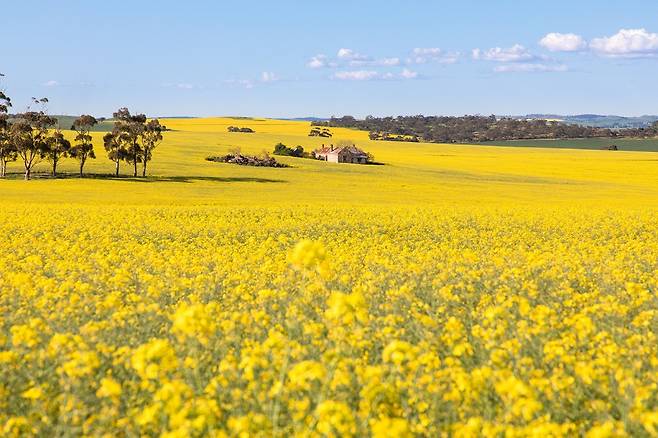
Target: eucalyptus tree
[
  {"x": 83, "y": 148},
  {"x": 29, "y": 136},
  {"x": 151, "y": 138},
  {"x": 130, "y": 128},
  {"x": 7, "y": 149},
  {"x": 114, "y": 148},
  {"x": 58, "y": 147}
]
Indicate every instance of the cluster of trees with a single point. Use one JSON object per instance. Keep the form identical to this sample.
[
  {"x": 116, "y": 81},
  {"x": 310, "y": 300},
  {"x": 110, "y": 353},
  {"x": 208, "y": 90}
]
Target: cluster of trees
[
  {"x": 34, "y": 136},
  {"x": 282, "y": 149},
  {"x": 319, "y": 132},
  {"x": 133, "y": 140},
  {"x": 469, "y": 129},
  {"x": 238, "y": 129},
  {"x": 386, "y": 136},
  {"x": 31, "y": 137}
]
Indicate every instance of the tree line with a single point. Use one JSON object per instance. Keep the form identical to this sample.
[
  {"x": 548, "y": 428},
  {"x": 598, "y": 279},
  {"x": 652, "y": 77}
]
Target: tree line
[
  {"x": 473, "y": 128},
  {"x": 33, "y": 136}
]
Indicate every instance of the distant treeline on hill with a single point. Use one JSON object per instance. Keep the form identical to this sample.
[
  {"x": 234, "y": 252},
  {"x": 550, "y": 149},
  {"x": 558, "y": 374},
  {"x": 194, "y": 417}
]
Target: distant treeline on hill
[
  {"x": 469, "y": 129},
  {"x": 65, "y": 122},
  {"x": 598, "y": 120}
]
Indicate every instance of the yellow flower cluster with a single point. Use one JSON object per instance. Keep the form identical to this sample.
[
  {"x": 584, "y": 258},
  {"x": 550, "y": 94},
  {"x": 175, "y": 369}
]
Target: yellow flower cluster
[{"x": 417, "y": 321}]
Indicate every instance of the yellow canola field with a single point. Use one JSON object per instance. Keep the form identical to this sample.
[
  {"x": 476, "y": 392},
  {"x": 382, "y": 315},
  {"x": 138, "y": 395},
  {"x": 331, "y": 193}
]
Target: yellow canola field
[
  {"x": 455, "y": 291},
  {"x": 413, "y": 174}
]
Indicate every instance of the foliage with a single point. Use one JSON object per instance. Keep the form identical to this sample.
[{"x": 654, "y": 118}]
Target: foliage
[
  {"x": 151, "y": 137},
  {"x": 115, "y": 148},
  {"x": 385, "y": 136},
  {"x": 128, "y": 128},
  {"x": 58, "y": 147},
  {"x": 317, "y": 131},
  {"x": 238, "y": 129},
  {"x": 246, "y": 160},
  {"x": 282, "y": 149},
  {"x": 465, "y": 129},
  {"x": 29, "y": 136},
  {"x": 7, "y": 150},
  {"x": 83, "y": 148}
]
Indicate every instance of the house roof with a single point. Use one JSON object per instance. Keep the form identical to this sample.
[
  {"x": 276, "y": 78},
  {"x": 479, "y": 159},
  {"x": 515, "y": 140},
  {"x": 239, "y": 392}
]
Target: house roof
[{"x": 351, "y": 149}]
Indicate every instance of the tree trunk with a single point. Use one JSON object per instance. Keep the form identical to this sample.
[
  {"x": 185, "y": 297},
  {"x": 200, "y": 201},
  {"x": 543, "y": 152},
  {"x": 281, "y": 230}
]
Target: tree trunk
[
  {"x": 116, "y": 171},
  {"x": 27, "y": 173},
  {"x": 144, "y": 170},
  {"x": 135, "y": 166},
  {"x": 3, "y": 169},
  {"x": 82, "y": 165},
  {"x": 54, "y": 167}
]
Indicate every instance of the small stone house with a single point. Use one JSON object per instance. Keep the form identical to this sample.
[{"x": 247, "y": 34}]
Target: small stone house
[{"x": 348, "y": 154}]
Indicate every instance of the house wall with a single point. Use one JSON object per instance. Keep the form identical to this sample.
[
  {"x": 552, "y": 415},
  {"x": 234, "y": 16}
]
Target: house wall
[{"x": 345, "y": 157}]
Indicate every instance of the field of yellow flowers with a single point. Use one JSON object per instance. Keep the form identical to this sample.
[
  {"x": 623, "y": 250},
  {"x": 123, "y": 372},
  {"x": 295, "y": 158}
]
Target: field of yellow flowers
[{"x": 455, "y": 291}]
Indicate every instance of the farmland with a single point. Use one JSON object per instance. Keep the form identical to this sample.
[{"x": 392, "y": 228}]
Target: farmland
[
  {"x": 625, "y": 144},
  {"x": 414, "y": 174},
  {"x": 455, "y": 290}
]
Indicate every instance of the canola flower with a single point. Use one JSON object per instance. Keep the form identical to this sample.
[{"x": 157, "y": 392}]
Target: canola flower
[{"x": 417, "y": 321}]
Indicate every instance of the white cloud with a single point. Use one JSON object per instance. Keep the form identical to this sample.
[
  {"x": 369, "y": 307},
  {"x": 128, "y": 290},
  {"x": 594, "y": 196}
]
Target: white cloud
[
  {"x": 244, "y": 83},
  {"x": 522, "y": 67},
  {"x": 423, "y": 55},
  {"x": 563, "y": 42},
  {"x": 351, "y": 55},
  {"x": 357, "y": 75},
  {"x": 268, "y": 76},
  {"x": 371, "y": 75},
  {"x": 355, "y": 59},
  {"x": 408, "y": 74},
  {"x": 627, "y": 43},
  {"x": 345, "y": 53},
  {"x": 389, "y": 61},
  {"x": 318, "y": 61},
  {"x": 179, "y": 85},
  {"x": 348, "y": 57},
  {"x": 427, "y": 51},
  {"x": 516, "y": 53},
  {"x": 365, "y": 61},
  {"x": 51, "y": 83}
]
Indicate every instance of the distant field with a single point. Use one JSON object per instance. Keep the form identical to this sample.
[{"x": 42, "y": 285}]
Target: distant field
[
  {"x": 415, "y": 173},
  {"x": 65, "y": 122},
  {"x": 626, "y": 144}
]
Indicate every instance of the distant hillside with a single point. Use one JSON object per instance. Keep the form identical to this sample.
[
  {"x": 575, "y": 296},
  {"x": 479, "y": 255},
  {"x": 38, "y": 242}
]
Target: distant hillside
[
  {"x": 307, "y": 119},
  {"x": 175, "y": 117},
  {"x": 597, "y": 120},
  {"x": 65, "y": 122},
  {"x": 104, "y": 125},
  {"x": 475, "y": 128}
]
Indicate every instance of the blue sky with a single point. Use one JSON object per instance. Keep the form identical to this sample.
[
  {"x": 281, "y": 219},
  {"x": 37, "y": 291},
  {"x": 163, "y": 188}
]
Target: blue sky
[{"x": 294, "y": 58}]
